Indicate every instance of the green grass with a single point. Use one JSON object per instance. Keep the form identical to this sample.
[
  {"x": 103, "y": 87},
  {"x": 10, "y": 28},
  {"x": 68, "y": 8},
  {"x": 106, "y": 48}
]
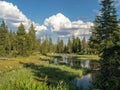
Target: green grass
[
  {"x": 83, "y": 57},
  {"x": 90, "y": 57},
  {"x": 23, "y": 80},
  {"x": 29, "y": 73},
  {"x": 35, "y": 73}
]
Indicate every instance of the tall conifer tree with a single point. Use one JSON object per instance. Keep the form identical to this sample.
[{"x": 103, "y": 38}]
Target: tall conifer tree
[
  {"x": 69, "y": 46},
  {"x": 31, "y": 41},
  {"x": 4, "y": 40},
  {"x": 109, "y": 46},
  {"x": 84, "y": 45},
  {"x": 21, "y": 41},
  {"x": 94, "y": 40}
]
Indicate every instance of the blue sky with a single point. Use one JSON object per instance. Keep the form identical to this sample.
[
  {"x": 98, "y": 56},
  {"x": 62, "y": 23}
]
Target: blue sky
[
  {"x": 38, "y": 10},
  {"x": 56, "y": 18}
]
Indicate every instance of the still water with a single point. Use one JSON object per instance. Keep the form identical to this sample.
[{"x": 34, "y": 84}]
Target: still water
[
  {"x": 92, "y": 64},
  {"x": 84, "y": 82}
]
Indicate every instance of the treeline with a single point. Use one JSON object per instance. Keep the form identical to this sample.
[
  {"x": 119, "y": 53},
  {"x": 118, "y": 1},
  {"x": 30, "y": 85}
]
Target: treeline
[
  {"x": 17, "y": 43},
  {"x": 73, "y": 45},
  {"x": 23, "y": 43}
]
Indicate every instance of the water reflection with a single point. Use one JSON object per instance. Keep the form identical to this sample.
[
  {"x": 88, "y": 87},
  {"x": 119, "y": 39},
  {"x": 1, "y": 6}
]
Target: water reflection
[
  {"x": 85, "y": 63},
  {"x": 92, "y": 64},
  {"x": 84, "y": 82},
  {"x": 65, "y": 59},
  {"x": 55, "y": 61}
]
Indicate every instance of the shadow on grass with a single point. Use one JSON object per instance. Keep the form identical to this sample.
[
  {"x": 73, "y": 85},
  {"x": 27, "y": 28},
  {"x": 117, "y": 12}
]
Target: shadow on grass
[{"x": 54, "y": 74}]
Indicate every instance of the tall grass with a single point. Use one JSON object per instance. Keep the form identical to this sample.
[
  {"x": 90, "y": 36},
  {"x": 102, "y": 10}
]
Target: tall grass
[
  {"x": 29, "y": 73},
  {"x": 23, "y": 80}
]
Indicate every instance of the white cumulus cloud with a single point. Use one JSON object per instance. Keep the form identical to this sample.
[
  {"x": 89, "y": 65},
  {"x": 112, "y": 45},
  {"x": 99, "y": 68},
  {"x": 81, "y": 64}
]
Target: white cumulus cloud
[
  {"x": 63, "y": 27},
  {"x": 57, "y": 22},
  {"x": 13, "y": 16},
  {"x": 57, "y": 25}
]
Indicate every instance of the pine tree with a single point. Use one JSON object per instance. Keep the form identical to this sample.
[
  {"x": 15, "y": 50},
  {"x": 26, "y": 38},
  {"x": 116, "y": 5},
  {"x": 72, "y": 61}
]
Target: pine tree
[
  {"x": 73, "y": 45},
  {"x": 44, "y": 47},
  {"x": 78, "y": 45},
  {"x": 65, "y": 49},
  {"x": 31, "y": 39},
  {"x": 94, "y": 40},
  {"x": 13, "y": 40},
  {"x": 84, "y": 46},
  {"x": 69, "y": 46},
  {"x": 4, "y": 40},
  {"x": 109, "y": 46},
  {"x": 60, "y": 46},
  {"x": 57, "y": 46},
  {"x": 109, "y": 25},
  {"x": 21, "y": 41},
  {"x": 51, "y": 46}
]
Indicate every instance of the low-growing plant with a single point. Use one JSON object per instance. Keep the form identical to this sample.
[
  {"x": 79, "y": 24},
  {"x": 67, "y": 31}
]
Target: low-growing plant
[{"x": 23, "y": 79}]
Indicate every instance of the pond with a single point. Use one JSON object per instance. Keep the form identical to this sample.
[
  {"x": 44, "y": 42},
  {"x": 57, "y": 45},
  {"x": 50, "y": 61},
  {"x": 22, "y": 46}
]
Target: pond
[
  {"x": 74, "y": 62},
  {"x": 84, "y": 82}
]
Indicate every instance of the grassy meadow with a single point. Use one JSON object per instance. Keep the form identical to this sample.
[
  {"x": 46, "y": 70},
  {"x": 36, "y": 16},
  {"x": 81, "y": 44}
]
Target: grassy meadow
[
  {"x": 35, "y": 73},
  {"x": 76, "y": 56}
]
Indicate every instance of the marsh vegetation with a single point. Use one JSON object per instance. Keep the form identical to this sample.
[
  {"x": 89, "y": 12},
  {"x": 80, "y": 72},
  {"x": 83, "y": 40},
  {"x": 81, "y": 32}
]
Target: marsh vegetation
[{"x": 35, "y": 72}]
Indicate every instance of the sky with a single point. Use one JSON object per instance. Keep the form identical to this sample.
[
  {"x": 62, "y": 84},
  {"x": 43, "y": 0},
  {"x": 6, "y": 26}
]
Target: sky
[{"x": 55, "y": 18}]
